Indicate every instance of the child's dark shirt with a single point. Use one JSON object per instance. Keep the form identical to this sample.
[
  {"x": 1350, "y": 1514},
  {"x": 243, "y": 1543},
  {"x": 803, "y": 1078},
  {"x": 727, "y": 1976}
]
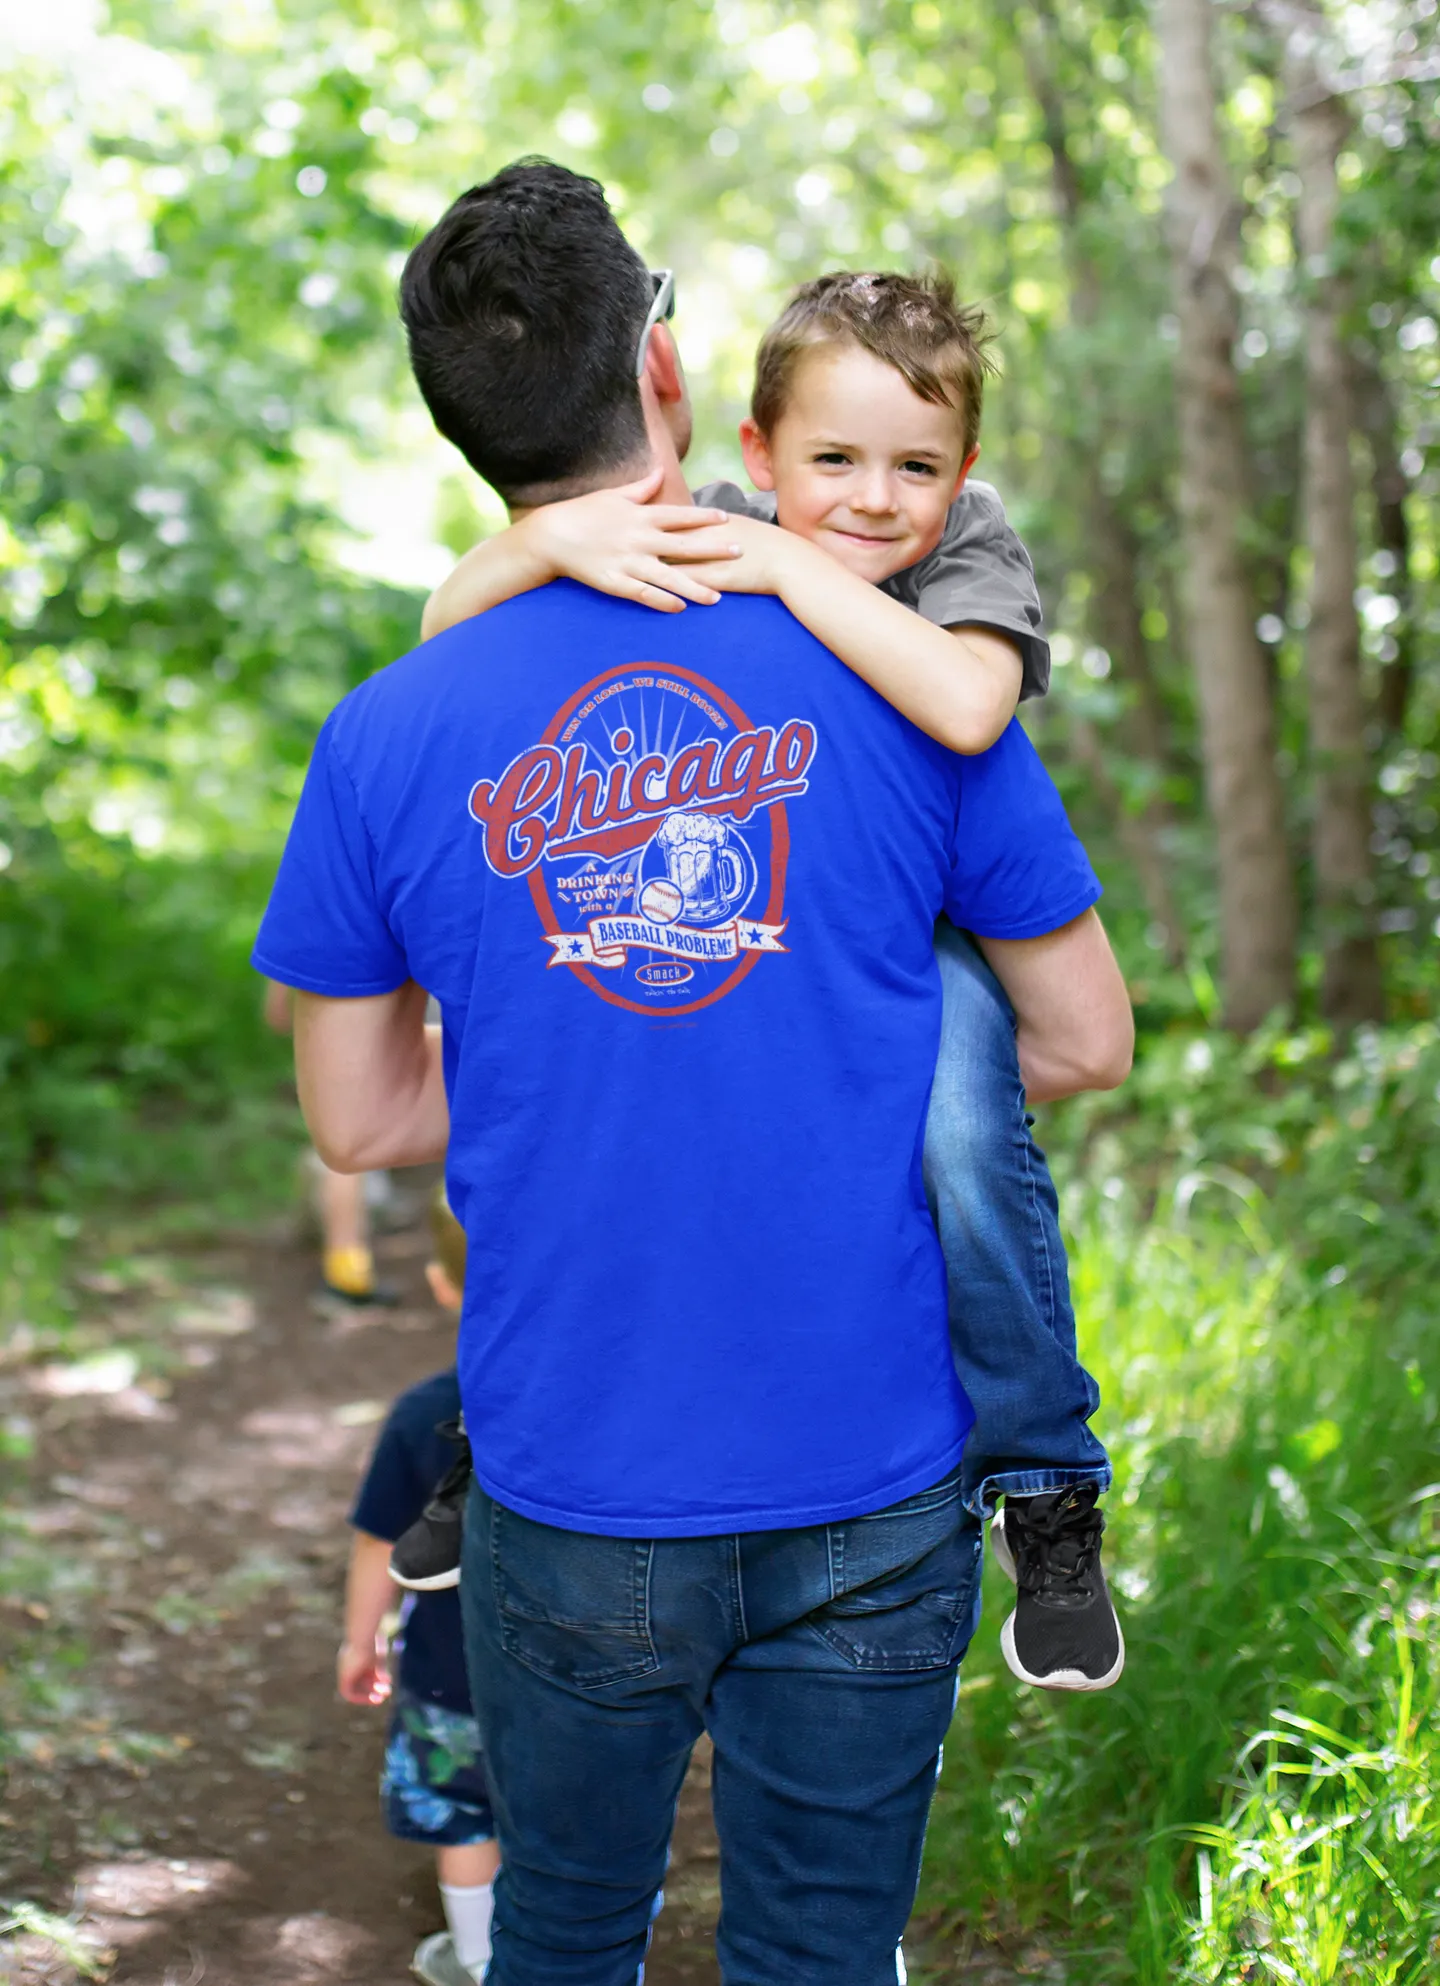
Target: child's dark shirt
[{"x": 409, "y": 1459}]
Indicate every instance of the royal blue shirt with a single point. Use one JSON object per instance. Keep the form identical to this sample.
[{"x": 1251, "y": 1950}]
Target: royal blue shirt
[
  {"x": 409, "y": 1460},
  {"x": 673, "y": 880}
]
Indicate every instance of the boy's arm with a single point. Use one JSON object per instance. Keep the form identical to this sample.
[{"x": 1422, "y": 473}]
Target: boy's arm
[
  {"x": 1074, "y": 1028},
  {"x": 614, "y": 540},
  {"x": 962, "y": 688},
  {"x": 370, "y": 1593}
]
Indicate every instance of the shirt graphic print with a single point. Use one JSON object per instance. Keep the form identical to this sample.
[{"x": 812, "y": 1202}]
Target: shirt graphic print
[{"x": 650, "y": 825}]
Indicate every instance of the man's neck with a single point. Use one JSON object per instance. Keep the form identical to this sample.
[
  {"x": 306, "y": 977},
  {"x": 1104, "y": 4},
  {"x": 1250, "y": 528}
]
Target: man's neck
[{"x": 673, "y": 487}]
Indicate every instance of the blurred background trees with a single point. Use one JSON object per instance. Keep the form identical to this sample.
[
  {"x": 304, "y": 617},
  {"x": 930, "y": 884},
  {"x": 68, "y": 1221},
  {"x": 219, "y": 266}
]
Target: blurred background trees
[
  {"x": 1207, "y": 237},
  {"x": 1207, "y": 240}
]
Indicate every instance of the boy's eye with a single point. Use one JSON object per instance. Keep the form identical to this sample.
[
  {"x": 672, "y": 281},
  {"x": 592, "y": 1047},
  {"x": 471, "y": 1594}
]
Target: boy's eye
[
  {"x": 918, "y": 468},
  {"x": 832, "y": 457}
]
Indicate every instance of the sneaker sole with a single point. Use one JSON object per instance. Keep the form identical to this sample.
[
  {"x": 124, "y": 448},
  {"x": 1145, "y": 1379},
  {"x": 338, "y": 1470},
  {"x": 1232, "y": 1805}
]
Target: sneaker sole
[
  {"x": 438, "y": 1582},
  {"x": 1066, "y": 1679},
  {"x": 1062, "y": 1679}
]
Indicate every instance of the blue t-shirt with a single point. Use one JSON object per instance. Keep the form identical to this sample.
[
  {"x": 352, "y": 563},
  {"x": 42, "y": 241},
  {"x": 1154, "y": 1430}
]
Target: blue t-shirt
[
  {"x": 409, "y": 1460},
  {"x": 674, "y": 880}
]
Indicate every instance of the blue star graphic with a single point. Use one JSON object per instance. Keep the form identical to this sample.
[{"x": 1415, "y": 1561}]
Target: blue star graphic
[
  {"x": 753, "y": 936},
  {"x": 577, "y": 948}
]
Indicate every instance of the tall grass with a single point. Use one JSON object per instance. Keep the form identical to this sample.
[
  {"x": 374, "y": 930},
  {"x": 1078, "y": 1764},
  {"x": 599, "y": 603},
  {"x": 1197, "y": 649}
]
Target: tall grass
[{"x": 1255, "y": 1273}]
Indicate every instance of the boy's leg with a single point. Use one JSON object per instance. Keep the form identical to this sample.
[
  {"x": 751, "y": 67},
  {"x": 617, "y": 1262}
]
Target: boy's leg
[
  {"x": 434, "y": 1790},
  {"x": 827, "y": 1732},
  {"x": 1011, "y": 1325}
]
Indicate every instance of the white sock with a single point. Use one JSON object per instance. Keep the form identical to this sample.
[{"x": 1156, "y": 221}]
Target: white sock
[{"x": 468, "y": 1912}]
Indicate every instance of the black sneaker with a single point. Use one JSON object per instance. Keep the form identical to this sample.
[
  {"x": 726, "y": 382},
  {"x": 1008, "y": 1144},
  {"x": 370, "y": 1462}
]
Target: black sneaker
[
  {"x": 1063, "y": 1633},
  {"x": 427, "y": 1558}
]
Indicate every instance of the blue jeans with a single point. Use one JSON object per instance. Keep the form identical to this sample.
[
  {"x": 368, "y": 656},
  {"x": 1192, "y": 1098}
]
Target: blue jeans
[
  {"x": 822, "y": 1663},
  {"x": 1011, "y": 1325}
]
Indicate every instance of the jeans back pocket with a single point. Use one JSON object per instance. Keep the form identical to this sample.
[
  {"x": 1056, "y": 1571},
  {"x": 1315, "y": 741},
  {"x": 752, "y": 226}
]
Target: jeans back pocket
[
  {"x": 572, "y": 1607},
  {"x": 906, "y": 1584}
]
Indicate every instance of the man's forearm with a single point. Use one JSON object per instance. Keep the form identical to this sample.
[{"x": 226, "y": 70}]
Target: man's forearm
[
  {"x": 959, "y": 689},
  {"x": 1073, "y": 1026},
  {"x": 371, "y": 1081}
]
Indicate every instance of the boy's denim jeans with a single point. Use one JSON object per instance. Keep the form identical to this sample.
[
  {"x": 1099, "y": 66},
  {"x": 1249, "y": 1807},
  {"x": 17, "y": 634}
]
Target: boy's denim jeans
[
  {"x": 1011, "y": 1325},
  {"x": 821, "y": 1661}
]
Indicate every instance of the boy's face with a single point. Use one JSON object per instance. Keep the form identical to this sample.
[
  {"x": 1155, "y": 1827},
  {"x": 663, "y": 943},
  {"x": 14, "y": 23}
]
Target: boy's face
[{"x": 859, "y": 463}]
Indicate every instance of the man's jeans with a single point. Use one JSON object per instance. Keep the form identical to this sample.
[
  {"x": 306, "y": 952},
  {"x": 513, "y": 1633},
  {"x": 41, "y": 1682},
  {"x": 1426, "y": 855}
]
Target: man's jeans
[
  {"x": 822, "y": 1663},
  {"x": 1011, "y": 1325}
]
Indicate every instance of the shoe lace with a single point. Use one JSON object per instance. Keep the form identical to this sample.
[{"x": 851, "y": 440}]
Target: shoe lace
[{"x": 1058, "y": 1539}]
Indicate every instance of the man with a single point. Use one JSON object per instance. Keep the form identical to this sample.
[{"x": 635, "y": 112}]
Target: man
[{"x": 674, "y": 884}]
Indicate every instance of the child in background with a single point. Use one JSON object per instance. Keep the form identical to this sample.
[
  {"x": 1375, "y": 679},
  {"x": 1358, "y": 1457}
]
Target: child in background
[
  {"x": 433, "y": 1788},
  {"x": 863, "y": 428},
  {"x": 347, "y": 1267}
]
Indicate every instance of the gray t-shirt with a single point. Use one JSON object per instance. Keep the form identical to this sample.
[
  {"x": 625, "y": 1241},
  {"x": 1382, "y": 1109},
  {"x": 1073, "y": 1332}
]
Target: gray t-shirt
[{"x": 979, "y": 575}]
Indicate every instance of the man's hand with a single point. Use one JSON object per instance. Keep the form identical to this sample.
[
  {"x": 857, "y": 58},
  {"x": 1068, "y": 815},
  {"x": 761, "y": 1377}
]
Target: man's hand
[
  {"x": 361, "y": 1675},
  {"x": 371, "y": 1085},
  {"x": 1075, "y": 1030}
]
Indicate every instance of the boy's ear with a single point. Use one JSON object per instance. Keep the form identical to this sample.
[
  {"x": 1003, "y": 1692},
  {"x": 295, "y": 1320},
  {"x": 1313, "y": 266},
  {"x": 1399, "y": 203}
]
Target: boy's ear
[
  {"x": 965, "y": 467},
  {"x": 756, "y": 450}
]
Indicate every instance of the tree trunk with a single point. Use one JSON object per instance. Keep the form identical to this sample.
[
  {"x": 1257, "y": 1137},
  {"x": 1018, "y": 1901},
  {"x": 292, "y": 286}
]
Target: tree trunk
[
  {"x": 1375, "y": 409},
  {"x": 1237, "y": 719},
  {"x": 1351, "y": 988},
  {"x": 1113, "y": 553}
]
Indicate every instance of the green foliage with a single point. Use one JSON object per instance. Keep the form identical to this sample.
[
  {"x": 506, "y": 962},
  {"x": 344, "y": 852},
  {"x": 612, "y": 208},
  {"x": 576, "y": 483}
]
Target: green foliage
[
  {"x": 200, "y": 226},
  {"x": 1253, "y": 1272}
]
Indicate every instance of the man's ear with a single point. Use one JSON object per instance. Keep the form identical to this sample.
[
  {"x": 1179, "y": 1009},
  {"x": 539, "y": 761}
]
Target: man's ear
[
  {"x": 662, "y": 366},
  {"x": 755, "y": 447},
  {"x": 965, "y": 467}
]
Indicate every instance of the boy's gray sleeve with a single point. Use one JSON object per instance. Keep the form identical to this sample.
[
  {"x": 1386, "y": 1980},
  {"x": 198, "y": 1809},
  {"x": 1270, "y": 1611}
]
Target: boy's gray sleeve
[
  {"x": 740, "y": 503},
  {"x": 980, "y": 575}
]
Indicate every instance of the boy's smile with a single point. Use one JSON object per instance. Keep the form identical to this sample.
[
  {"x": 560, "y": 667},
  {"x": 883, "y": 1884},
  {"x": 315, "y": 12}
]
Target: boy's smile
[{"x": 859, "y": 463}]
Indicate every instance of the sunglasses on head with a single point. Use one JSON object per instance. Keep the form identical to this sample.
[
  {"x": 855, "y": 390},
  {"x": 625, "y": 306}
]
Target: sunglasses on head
[{"x": 662, "y": 307}]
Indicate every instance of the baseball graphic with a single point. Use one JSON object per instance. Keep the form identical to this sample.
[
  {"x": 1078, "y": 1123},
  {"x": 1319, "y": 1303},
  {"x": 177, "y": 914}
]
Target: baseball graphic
[{"x": 661, "y": 901}]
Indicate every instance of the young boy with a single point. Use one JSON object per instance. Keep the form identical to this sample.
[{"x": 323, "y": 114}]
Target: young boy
[
  {"x": 863, "y": 428},
  {"x": 433, "y": 1785}
]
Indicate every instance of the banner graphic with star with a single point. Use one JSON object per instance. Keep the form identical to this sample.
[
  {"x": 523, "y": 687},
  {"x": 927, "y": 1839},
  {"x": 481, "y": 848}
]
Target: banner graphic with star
[{"x": 608, "y": 940}]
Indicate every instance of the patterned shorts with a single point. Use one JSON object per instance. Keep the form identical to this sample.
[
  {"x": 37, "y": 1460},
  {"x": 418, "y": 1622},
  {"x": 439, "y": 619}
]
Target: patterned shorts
[{"x": 433, "y": 1788}]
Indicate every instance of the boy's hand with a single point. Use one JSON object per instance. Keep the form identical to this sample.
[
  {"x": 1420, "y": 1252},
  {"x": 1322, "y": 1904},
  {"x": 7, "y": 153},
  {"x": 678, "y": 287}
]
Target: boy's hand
[
  {"x": 614, "y": 540},
  {"x": 360, "y": 1674},
  {"x": 765, "y": 559}
]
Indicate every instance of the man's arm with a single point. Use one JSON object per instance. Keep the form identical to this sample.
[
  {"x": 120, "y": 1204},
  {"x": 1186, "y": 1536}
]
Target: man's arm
[
  {"x": 1075, "y": 1030},
  {"x": 370, "y": 1079}
]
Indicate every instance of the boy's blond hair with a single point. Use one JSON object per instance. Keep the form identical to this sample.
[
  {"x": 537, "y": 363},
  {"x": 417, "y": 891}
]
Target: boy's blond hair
[
  {"x": 917, "y": 324},
  {"x": 449, "y": 1239}
]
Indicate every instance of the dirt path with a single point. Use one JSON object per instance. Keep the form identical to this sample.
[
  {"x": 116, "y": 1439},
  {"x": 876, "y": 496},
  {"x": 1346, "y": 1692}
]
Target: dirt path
[
  {"x": 193, "y": 1788},
  {"x": 212, "y": 1527}
]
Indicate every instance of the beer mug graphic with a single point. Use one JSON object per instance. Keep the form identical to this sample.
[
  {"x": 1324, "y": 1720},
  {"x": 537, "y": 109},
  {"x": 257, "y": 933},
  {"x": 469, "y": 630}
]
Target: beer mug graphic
[{"x": 711, "y": 868}]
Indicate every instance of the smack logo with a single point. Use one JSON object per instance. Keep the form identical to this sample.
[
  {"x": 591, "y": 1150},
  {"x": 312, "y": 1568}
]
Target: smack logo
[{"x": 650, "y": 826}]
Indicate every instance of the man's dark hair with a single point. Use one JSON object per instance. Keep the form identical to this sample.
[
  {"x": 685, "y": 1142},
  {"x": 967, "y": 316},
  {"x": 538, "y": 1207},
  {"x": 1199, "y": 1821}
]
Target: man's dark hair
[{"x": 523, "y": 307}]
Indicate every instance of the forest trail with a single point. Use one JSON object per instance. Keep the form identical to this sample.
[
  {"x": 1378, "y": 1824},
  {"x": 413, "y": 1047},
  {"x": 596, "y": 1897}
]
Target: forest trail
[{"x": 219, "y": 1823}]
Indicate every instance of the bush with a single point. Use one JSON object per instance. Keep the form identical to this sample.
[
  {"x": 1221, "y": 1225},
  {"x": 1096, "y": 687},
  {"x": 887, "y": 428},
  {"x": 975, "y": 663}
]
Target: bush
[{"x": 1253, "y": 1267}]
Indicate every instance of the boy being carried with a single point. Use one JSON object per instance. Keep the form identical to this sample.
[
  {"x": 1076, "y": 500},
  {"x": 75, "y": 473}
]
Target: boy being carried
[{"x": 863, "y": 428}]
